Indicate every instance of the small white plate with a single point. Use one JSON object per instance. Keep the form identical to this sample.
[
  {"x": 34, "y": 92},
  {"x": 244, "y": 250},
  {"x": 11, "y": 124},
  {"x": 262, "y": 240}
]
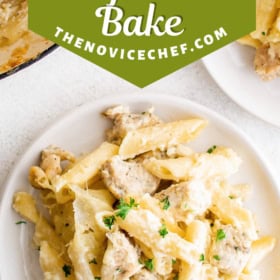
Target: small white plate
[
  {"x": 232, "y": 68},
  {"x": 83, "y": 129}
]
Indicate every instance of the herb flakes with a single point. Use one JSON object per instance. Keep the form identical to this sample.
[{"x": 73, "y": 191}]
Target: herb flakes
[
  {"x": 21, "y": 222},
  {"x": 109, "y": 221},
  {"x": 149, "y": 264},
  {"x": 94, "y": 261},
  {"x": 212, "y": 149},
  {"x": 202, "y": 258},
  {"x": 217, "y": 257},
  {"x": 220, "y": 235},
  {"x": 124, "y": 207},
  {"x": 67, "y": 270},
  {"x": 166, "y": 203},
  {"x": 163, "y": 231}
]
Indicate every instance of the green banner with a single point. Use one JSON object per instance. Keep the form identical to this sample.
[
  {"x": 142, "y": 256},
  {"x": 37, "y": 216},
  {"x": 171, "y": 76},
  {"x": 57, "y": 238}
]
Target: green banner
[{"x": 142, "y": 41}]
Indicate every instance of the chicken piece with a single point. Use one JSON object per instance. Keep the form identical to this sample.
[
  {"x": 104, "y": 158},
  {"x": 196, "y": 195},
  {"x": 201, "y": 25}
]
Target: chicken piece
[
  {"x": 145, "y": 274},
  {"x": 267, "y": 61},
  {"x": 229, "y": 250},
  {"x": 125, "y": 121},
  {"x": 128, "y": 178},
  {"x": 187, "y": 200},
  {"x": 120, "y": 259},
  {"x": 51, "y": 158}
]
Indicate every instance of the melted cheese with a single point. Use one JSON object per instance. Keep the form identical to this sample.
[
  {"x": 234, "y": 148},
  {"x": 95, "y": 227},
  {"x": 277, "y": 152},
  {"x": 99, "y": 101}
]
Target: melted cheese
[{"x": 17, "y": 43}]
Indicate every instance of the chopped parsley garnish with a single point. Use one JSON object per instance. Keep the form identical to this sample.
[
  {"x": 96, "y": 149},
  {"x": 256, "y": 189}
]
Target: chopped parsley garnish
[
  {"x": 212, "y": 149},
  {"x": 174, "y": 261},
  {"x": 109, "y": 221},
  {"x": 263, "y": 33},
  {"x": 202, "y": 258},
  {"x": 220, "y": 235},
  {"x": 97, "y": 278},
  {"x": 231, "y": 197},
  {"x": 93, "y": 261},
  {"x": 149, "y": 264},
  {"x": 21, "y": 222},
  {"x": 166, "y": 203},
  {"x": 163, "y": 231},
  {"x": 217, "y": 257},
  {"x": 176, "y": 277},
  {"x": 67, "y": 270},
  {"x": 124, "y": 207}
]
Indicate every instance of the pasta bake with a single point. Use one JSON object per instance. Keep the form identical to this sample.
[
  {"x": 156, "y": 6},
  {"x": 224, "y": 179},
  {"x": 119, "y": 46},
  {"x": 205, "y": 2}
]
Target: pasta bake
[
  {"x": 17, "y": 43},
  {"x": 143, "y": 206},
  {"x": 266, "y": 39}
]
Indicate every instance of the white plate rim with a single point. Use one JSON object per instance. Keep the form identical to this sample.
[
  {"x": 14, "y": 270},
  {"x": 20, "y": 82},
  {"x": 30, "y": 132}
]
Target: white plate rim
[
  {"x": 208, "y": 65},
  {"x": 145, "y": 97}
]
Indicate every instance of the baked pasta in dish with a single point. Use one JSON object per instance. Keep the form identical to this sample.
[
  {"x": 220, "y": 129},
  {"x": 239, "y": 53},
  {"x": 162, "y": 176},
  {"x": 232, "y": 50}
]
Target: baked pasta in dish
[{"x": 17, "y": 43}]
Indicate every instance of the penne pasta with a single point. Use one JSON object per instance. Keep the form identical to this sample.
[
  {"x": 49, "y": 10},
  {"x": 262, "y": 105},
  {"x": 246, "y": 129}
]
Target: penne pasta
[
  {"x": 53, "y": 266},
  {"x": 145, "y": 226},
  {"x": 149, "y": 209},
  {"x": 85, "y": 169},
  {"x": 161, "y": 136},
  {"x": 260, "y": 248},
  {"x": 228, "y": 211},
  {"x": 219, "y": 165},
  {"x": 24, "y": 204}
]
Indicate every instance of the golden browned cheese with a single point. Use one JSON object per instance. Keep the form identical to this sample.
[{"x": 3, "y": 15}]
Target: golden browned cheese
[{"x": 17, "y": 43}]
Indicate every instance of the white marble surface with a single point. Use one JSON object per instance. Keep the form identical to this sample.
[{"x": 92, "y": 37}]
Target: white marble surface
[{"x": 33, "y": 98}]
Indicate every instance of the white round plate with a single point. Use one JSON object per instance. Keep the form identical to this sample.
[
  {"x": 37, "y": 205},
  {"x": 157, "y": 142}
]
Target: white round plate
[
  {"x": 233, "y": 70},
  {"x": 83, "y": 130}
]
